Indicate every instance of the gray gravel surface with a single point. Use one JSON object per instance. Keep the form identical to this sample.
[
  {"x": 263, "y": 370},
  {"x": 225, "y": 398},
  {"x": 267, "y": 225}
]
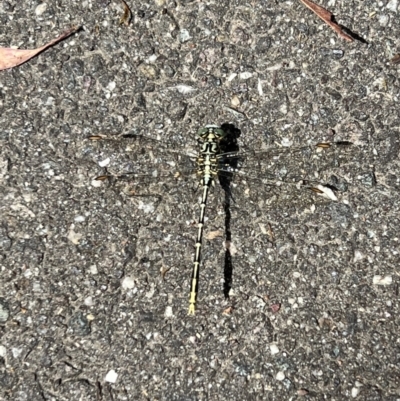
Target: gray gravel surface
[{"x": 313, "y": 312}]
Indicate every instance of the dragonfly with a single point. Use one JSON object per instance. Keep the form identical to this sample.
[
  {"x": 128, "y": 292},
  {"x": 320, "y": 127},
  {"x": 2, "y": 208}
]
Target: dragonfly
[{"x": 219, "y": 159}]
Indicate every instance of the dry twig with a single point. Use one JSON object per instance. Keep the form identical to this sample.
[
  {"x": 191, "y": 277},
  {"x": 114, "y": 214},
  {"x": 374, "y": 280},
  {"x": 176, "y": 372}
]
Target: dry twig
[{"x": 326, "y": 16}]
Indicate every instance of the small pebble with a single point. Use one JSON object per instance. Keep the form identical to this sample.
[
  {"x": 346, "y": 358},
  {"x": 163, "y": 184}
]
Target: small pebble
[
  {"x": 88, "y": 301},
  {"x": 111, "y": 376},
  {"x": 185, "y": 89},
  {"x": 184, "y": 35},
  {"x": 235, "y": 101},
  {"x": 111, "y": 86},
  {"x": 280, "y": 376},
  {"x": 168, "y": 311},
  {"x": 93, "y": 269},
  {"x": 40, "y": 9},
  {"x": 73, "y": 236},
  {"x": 392, "y": 5},
  {"x": 274, "y": 349},
  {"x": 96, "y": 183},
  {"x": 16, "y": 352},
  {"x": 245, "y": 75},
  {"x": 105, "y": 162},
  {"x": 357, "y": 256},
  {"x": 4, "y": 311},
  {"x": 79, "y": 324},
  {"x": 382, "y": 280},
  {"x": 383, "y": 19},
  {"x": 326, "y": 192},
  {"x": 128, "y": 283}
]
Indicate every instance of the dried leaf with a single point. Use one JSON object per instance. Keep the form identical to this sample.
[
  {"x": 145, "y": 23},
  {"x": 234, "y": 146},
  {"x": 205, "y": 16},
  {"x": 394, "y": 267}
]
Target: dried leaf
[
  {"x": 126, "y": 16},
  {"x": 164, "y": 270},
  {"x": 185, "y": 89},
  {"x": 326, "y": 16},
  {"x": 275, "y": 308},
  {"x": 302, "y": 392},
  {"x": 214, "y": 234},
  {"x": 10, "y": 58},
  {"x": 228, "y": 311},
  {"x": 325, "y": 192},
  {"x": 395, "y": 59}
]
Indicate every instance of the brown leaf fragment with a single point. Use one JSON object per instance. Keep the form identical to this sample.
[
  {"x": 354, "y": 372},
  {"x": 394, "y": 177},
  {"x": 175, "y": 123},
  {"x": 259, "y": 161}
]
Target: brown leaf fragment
[
  {"x": 214, "y": 234},
  {"x": 302, "y": 392},
  {"x": 326, "y": 16},
  {"x": 271, "y": 233},
  {"x": 10, "y": 58},
  {"x": 228, "y": 311},
  {"x": 164, "y": 270},
  {"x": 275, "y": 308},
  {"x": 126, "y": 16},
  {"x": 395, "y": 59}
]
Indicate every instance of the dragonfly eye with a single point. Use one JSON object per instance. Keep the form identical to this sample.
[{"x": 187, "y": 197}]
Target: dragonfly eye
[
  {"x": 220, "y": 132},
  {"x": 202, "y": 131}
]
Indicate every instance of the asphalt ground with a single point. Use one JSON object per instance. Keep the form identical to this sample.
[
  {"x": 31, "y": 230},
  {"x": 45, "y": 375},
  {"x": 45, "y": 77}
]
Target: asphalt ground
[{"x": 95, "y": 276}]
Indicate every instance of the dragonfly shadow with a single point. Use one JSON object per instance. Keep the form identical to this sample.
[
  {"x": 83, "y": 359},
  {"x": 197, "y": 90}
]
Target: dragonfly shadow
[{"x": 228, "y": 145}]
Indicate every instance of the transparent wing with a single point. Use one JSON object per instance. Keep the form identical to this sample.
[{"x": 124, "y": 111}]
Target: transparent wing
[
  {"x": 142, "y": 161},
  {"x": 295, "y": 166},
  {"x": 139, "y": 159}
]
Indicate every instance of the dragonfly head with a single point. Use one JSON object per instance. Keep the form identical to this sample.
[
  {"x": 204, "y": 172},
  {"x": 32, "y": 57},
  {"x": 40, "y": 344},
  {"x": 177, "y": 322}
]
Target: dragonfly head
[{"x": 211, "y": 131}]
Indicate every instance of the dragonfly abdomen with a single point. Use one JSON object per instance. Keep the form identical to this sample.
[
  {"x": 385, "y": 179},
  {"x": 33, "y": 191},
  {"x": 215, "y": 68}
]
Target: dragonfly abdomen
[{"x": 207, "y": 162}]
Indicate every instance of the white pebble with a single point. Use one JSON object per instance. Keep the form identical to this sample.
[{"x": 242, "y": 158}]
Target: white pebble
[
  {"x": 274, "y": 349},
  {"x": 105, "y": 162},
  {"x": 111, "y": 376},
  {"x": 96, "y": 183},
  {"x": 73, "y": 236},
  {"x": 168, "y": 311},
  {"x": 152, "y": 58},
  {"x": 245, "y": 75},
  {"x": 357, "y": 256},
  {"x": 40, "y": 9},
  {"x": 93, "y": 269},
  {"x": 235, "y": 101},
  {"x": 16, "y": 352},
  {"x": 280, "y": 376},
  {"x": 392, "y": 5},
  {"x": 128, "y": 283},
  {"x": 382, "y": 280},
  {"x": 50, "y": 101},
  {"x": 88, "y": 301},
  {"x": 111, "y": 86},
  {"x": 354, "y": 392},
  {"x": 146, "y": 207},
  {"x": 184, "y": 35},
  {"x": 283, "y": 108},
  {"x": 3, "y": 351},
  {"x": 286, "y": 142},
  {"x": 327, "y": 192},
  {"x": 185, "y": 89},
  {"x": 232, "y": 248},
  {"x": 383, "y": 19},
  {"x": 260, "y": 88}
]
